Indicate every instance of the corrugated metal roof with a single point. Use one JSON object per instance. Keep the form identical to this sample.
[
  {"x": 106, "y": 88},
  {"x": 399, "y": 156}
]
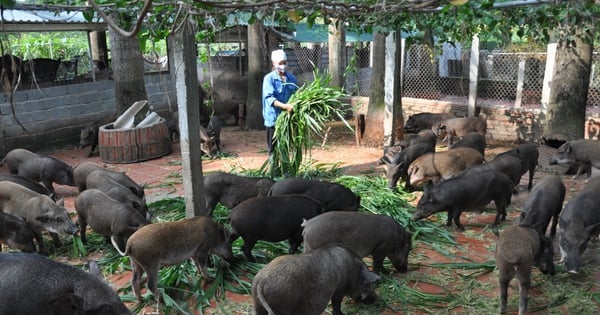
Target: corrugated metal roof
[{"x": 18, "y": 20}]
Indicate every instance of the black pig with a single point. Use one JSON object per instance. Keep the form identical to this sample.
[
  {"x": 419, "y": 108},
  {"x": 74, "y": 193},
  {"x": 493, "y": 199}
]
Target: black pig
[
  {"x": 584, "y": 152},
  {"x": 528, "y": 153},
  {"x": 230, "y": 189},
  {"x": 170, "y": 243},
  {"x": 107, "y": 217},
  {"x": 272, "y": 219},
  {"x": 333, "y": 196},
  {"x": 386, "y": 237},
  {"x": 81, "y": 172},
  {"x": 471, "y": 191},
  {"x": 578, "y": 223},
  {"x": 421, "y": 121},
  {"x": 472, "y": 140},
  {"x": 519, "y": 248},
  {"x": 305, "y": 283},
  {"x": 29, "y": 184},
  {"x": 44, "y": 168},
  {"x": 33, "y": 284},
  {"x": 16, "y": 233},
  {"x": 459, "y": 127},
  {"x": 543, "y": 204},
  {"x": 398, "y": 167}
]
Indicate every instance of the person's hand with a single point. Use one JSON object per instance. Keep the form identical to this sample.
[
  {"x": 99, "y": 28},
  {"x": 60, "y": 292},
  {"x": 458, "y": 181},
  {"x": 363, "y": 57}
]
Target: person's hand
[{"x": 289, "y": 108}]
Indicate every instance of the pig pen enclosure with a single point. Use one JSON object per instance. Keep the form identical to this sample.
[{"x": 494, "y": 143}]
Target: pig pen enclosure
[{"x": 449, "y": 271}]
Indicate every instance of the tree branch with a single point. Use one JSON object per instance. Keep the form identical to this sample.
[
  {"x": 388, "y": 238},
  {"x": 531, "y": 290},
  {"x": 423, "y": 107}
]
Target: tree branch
[{"x": 115, "y": 27}]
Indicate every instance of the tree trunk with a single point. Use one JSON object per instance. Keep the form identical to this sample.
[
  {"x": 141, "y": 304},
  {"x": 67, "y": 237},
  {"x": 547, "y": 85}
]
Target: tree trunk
[
  {"x": 569, "y": 91},
  {"x": 337, "y": 52},
  {"x": 128, "y": 69},
  {"x": 373, "y": 134},
  {"x": 99, "y": 49},
  {"x": 257, "y": 66}
]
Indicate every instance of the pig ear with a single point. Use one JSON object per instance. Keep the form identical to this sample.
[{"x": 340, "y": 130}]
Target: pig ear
[
  {"x": 94, "y": 269},
  {"x": 68, "y": 303},
  {"x": 593, "y": 229},
  {"x": 61, "y": 202}
]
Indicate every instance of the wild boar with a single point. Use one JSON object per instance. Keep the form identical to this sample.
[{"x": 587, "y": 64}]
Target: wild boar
[
  {"x": 505, "y": 164},
  {"x": 528, "y": 153},
  {"x": 16, "y": 233},
  {"x": 585, "y": 152},
  {"x": 40, "y": 168},
  {"x": 442, "y": 165},
  {"x": 305, "y": 283},
  {"x": 466, "y": 192},
  {"x": 472, "y": 140},
  {"x": 578, "y": 223},
  {"x": 170, "y": 243},
  {"x": 386, "y": 238},
  {"x": 398, "y": 167},
  {"x": 41, "y": 212},
  {"x": 208, "y": 143},
  {"x": 519, "y": 248},
  {"x": 333, "y": 196},
  {"x": 29, "y": 184},
  {"x": 107, "y": 217},
  {"x": 33, "y": 284},
  {"x": 543, "y": 204},
  {"x": 424, "y": 136},
  {"x": 81, "y": 172},
  {"x": 173, "y": 125},
  {"x": 421, "y": 121},
  {"x": 459, "y": 127},
  {"x": 102, "y": 180},
  {"x": 272, "y": 219},
  {"x": 214, "y": 130},
  {"x": 88, "y": 135},
  {"x": 230, "y": 189}
]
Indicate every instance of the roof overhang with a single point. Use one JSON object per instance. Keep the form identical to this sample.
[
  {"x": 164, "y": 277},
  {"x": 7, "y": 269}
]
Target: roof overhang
[{"x": 21, "y": 20}]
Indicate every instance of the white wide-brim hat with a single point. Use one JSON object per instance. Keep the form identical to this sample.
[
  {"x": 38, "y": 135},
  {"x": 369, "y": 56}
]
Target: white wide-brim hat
[{"x": 278, "y": 55}]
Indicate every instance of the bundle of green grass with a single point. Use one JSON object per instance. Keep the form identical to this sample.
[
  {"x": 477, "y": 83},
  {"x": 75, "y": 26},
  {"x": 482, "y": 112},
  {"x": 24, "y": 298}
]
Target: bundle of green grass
[{"x": 315, "y": 103}]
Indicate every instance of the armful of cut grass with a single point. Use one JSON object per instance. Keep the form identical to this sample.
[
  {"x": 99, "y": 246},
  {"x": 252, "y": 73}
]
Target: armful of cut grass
[{"x": 315, "y": 103}]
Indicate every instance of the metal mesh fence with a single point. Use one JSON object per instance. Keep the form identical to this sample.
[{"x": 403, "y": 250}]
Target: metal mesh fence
[{"x": 510, "y": 79}]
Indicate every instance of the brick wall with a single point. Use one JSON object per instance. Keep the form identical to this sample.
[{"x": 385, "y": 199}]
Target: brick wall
[
  {"x": 507, "y": 124},
  {"x": 54, "y": 116}
]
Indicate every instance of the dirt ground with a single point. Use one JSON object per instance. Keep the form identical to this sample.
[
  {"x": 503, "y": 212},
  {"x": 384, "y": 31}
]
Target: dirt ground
[{"x": 245, "y": 150}]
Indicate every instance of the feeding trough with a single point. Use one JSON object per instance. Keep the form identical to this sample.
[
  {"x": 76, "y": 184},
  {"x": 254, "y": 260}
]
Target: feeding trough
[{"x": 127, "y": 144}]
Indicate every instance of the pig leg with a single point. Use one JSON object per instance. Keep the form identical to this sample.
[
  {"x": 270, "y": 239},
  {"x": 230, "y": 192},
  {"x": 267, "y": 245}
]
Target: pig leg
[
  {"x": 295, "y": 241},
  {"x": 378, "y": 257},
  {"x": 152, "y": 272},
  {"x": 449, "y": 222},
  {"x": 553, "y": 226},
  {"x": 247, "y": 248},
  {"x": 83, "y": 227},
  {"x": 48, "y": 184},
  {"x": 336, "y": 303},
  {"x": 40, "y": 241},
  {"x": 456, "y": 217},
  {"x": 506, "y": 274},
  {"x": 136, "y": 278},
  {"x": 524, "y": 282},
  {"x": 201, "y": 260}
]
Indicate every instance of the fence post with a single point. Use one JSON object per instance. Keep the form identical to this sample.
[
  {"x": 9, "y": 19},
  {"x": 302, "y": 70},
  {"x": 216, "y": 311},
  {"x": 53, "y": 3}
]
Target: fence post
[
  {"x": 548, "y": 73},
  {"x": 520, "y": 82},
  {"x": 473, "y": 76}
]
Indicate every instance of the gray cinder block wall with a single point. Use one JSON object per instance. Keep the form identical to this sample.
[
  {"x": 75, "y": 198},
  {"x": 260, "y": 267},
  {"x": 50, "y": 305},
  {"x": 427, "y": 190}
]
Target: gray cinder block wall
[{"x": 54, "y": 116}]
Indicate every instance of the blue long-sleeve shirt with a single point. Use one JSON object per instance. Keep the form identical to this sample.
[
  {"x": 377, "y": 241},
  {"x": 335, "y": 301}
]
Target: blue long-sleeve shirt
[{"x": 275, "y": 89}]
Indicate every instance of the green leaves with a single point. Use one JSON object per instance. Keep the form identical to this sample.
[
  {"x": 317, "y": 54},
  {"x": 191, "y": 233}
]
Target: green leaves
[{"x": 315, "y": 104}]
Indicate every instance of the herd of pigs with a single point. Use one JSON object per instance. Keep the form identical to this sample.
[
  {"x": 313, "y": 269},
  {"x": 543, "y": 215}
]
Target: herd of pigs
[{"x": 323, "y": 216}]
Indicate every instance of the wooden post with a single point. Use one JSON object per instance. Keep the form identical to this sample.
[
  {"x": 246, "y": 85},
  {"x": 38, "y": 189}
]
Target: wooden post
[
  {"x": 473, "y": 76},
  {"x": 186, "y": 83}
]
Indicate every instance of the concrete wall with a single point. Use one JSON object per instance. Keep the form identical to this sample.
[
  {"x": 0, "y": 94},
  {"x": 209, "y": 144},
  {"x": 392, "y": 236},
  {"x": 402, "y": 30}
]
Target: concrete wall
[{"x": 54, "y": 116}]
